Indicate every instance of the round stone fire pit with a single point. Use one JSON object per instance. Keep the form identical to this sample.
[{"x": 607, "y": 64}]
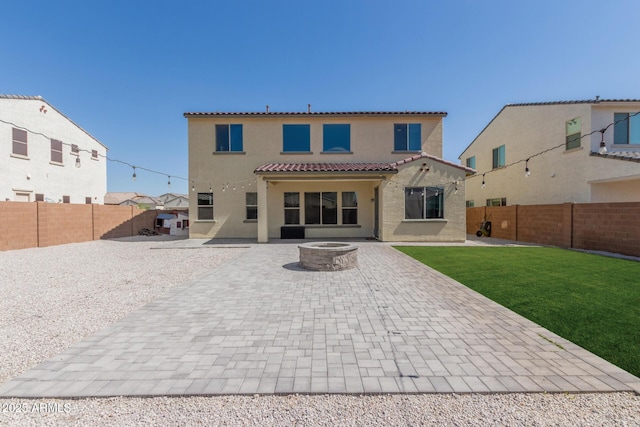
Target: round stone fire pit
[{"x": 328, "y": 256}]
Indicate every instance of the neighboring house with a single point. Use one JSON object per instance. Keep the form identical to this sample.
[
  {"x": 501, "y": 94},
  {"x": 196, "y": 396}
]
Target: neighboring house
[
  {"x": 175, "y": 223},
  {"x": 323, "y": 175},
  {"x": 174, "y": 201},
  {"x": 46, "y": 157},
  {"x": 579, "y": 170},
  {"x": 133, "y": 199}
]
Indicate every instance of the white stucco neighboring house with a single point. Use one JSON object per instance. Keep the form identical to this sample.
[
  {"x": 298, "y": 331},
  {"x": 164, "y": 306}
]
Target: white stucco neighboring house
[
  {"x": 557, "y": 152},
  {"x": 44, "y": 156}
]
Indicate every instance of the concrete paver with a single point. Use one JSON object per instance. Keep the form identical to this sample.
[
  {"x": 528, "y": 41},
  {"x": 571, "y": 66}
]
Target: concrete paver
[{"x": 259, "y": 324}]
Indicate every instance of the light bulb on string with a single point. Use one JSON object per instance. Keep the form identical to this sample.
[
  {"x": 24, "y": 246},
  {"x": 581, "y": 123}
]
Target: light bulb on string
[
  {"x": 193, "y": 186},
  {"x": 169, "y": 181},
  {"x": 483, "y": 183},
  {"x": 78, "y": 161},
  {"x": 133, "y": 177},
  {"x": 527, "y": 172},
  {"x": 603, "y": 145},
  {"x": 455, "y": 189}
]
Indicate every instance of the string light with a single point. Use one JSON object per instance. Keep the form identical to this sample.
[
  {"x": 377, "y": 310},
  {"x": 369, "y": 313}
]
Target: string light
[
  {"x": 602, "y": 150},
  {"x": 603, "y": 146},
  {"x": 527, "y": 172},
  {"x": 193, "y": 185}
]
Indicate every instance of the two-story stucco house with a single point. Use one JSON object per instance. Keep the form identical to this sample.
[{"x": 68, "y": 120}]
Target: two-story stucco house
[
  {"x": 46, "y": 157},
  {"x": 557, "y": 152},
  {"x": 323, "y": 175}
]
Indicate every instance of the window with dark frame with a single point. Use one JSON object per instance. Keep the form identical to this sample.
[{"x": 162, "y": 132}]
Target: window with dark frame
[
  {"x": 296, "y": 138},
  {"x": 336, "y": 138},
  {"x": 252, "y": 206},
  {"x": 66, "y": 199},
  {"x": 56, "y": 151},
  {"x": 424, "y": 203},
  {"x": 87, "y": 200},
  {"x": 20, "y": 142},
  {"x": 205, "y": 206},
  {"x": 229, "y": 138},
  {"x": 94, "y": 154},
  {"x": 292, "y": 208},
  {"x": 39, "y": 197},
  {"x": 407, "y": 137},
  {"x": 573, "y": 133},
  {"x": 470, "y": 203},
  {"x": 349, "y": 207},
  {"x": 74, "y": 149}
]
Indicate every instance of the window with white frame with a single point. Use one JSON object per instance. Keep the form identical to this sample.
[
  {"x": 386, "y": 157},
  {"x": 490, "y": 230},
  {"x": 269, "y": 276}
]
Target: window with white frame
[
  {"x": 292, "y": 208},
  {"x": 497, "y": 202},
  {"x": 252, "y": 206},
  {"x": 573, "y": 133},
  {"x": 321, "y": 208},
  {"x": 56, "y": 151},
  {"x": 626, "y": 129},
  {"x": 349, "y": 207},
  {"x": 205, "y": 206},
  {"x": 20, "y": 142},
  {"x": 423, "y": 203},
  {"x": 499, "y": 157},
  {"x": 471, "y": 162}
]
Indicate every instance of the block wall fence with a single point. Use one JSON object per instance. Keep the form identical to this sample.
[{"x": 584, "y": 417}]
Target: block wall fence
[
  {"x": 39, "y": 224},
  {"x": 610, "y": 227}
]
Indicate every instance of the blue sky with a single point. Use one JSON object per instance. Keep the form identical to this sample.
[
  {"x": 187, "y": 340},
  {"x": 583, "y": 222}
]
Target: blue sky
[{"x": 126, "y": 71}]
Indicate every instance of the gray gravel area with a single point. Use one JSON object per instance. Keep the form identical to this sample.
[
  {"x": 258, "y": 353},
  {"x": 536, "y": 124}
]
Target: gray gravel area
[{"x": 53, "y": 297}]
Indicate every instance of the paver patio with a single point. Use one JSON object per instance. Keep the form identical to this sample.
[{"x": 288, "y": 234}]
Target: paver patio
[{"x": 259, "y": 324}]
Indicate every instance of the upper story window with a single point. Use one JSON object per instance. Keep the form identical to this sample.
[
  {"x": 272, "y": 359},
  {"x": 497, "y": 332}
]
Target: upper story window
[
  {"x": 56, "y": 151},
  {"x": 498, "y": 157},
  {"x": 336, "y": 138},
  {"x": 471, "y": 162},
  {"x": 626, "y": 129},
  {"x": 20, "y": 142},
  {"x": 75, "y": 149},
  {"x": 296, "y": 138},
  {"x": 423, "y": 203},
  {"x": 205, "y": 206},
  {"x": 94, "y": 154},
  {"x": 573, "y": 136},
  {"x": 229, "y": 138},
  {"x": 497, "y": 202},
  {"x": 407, "y": 137}
]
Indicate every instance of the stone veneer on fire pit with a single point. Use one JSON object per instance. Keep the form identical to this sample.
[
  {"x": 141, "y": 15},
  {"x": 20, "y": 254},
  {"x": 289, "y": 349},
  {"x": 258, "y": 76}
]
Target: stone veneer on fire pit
[{"x": 328, "y": 256}]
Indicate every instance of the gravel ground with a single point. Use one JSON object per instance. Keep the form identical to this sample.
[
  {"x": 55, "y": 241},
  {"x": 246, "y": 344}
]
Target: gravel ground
[{"x": 53, "y": 297}]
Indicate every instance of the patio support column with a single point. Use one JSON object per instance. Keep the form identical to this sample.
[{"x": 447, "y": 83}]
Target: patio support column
[{"x": 263, "y": 222}]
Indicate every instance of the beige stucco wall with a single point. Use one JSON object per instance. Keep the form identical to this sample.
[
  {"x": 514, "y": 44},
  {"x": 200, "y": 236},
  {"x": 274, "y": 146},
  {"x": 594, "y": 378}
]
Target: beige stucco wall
[
  {"x": 371, "y": 141},
  {"x": 36, "y": 174},
  {"x": 557, "y": 176},
  {"x": 450, "y": 229}
]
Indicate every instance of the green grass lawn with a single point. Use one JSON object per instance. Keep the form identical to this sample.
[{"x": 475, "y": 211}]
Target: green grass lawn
[{"x": 591, "y": 300}]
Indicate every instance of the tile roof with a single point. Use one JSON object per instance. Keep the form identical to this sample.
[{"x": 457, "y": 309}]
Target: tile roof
[
  {"x": 629, "y": 155},
  {"x": 353, "y": 167},
  {"x": 319, "y": 113},
  {"x": 326, "y": 167}
]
